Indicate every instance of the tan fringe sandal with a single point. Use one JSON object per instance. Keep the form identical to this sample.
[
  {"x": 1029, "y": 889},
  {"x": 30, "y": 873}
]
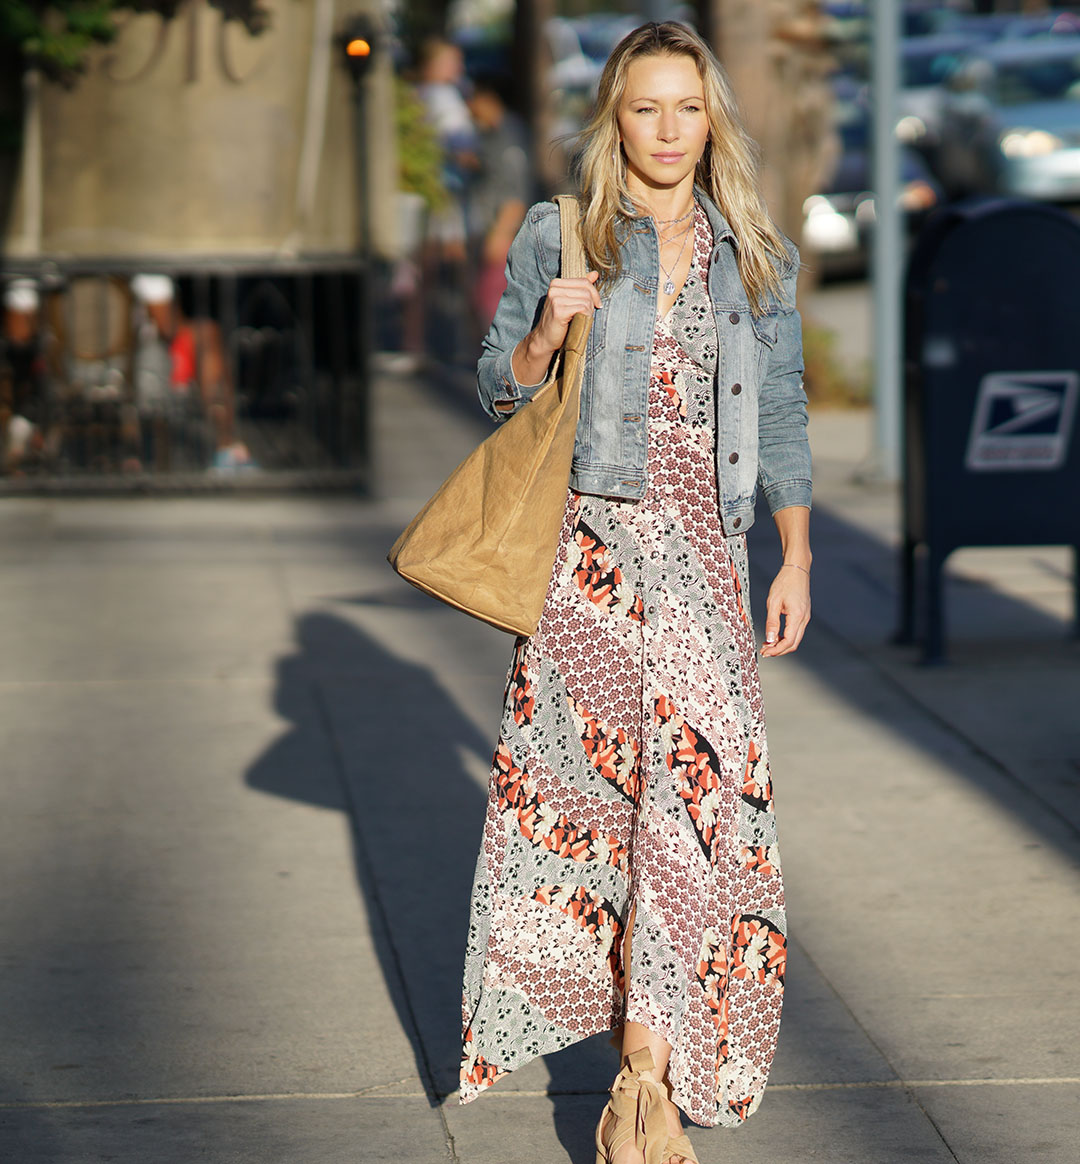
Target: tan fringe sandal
[{"x": 636, "y": 1111}]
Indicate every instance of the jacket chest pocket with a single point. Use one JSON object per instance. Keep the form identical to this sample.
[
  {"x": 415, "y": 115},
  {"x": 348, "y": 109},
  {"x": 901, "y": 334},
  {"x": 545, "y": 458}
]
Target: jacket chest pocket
[{"x": 766, "y": 328}]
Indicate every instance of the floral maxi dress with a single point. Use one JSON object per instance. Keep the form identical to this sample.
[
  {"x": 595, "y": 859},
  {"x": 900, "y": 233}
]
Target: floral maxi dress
[{"x": 631, "y": 779}]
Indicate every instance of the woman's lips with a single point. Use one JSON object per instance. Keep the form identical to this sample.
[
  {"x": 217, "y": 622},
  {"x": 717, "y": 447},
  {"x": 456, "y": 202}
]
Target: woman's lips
[{"x": 669, "y": 157}]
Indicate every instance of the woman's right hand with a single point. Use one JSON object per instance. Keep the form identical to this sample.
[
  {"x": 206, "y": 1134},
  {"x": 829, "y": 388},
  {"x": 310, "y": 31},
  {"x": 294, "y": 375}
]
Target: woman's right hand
[{"x": 565, "y": 299}]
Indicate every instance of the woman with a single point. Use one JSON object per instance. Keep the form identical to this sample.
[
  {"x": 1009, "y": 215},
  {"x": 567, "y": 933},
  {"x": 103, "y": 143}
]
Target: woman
[{"x": 630, "y": 809}]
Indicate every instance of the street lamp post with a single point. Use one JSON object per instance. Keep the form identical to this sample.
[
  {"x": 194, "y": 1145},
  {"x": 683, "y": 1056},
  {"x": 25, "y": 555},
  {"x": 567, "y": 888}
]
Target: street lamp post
[{"x": 359, "y": 44}]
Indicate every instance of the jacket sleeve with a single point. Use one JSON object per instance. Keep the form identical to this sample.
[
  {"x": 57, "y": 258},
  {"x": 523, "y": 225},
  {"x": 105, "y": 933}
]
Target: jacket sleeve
[
  {"x": 784, "y": 465},
  {"x": 532, "y": 263}
]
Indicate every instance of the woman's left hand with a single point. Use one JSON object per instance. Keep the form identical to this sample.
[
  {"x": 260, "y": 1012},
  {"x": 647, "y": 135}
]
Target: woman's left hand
[{"x": 789, "y": 596}]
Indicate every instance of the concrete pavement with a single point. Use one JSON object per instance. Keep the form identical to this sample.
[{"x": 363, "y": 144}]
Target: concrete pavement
[{"x": 241, "y": 795}]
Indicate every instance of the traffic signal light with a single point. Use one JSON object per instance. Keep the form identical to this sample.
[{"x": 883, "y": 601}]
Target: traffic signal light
[{"x": 358, "y": 41}]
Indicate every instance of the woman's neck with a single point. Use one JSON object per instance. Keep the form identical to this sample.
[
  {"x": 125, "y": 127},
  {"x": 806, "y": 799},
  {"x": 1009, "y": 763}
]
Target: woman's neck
[{"x": 665, "y": 204}]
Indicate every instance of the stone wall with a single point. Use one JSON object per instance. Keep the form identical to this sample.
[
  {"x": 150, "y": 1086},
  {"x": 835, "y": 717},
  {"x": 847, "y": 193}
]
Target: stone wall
[{"x": 192, "y": 137}]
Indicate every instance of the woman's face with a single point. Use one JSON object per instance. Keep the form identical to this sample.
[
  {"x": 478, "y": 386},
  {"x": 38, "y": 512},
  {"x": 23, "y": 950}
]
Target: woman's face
[{"x": 662, "y": 121}]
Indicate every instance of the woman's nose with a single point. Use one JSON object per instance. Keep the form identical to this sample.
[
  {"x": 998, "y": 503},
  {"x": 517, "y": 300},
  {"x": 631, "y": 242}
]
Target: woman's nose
[{"x": 668, "y": 129}]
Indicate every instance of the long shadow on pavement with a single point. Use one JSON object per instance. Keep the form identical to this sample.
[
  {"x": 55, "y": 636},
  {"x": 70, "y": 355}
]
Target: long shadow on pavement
[
  {"x": 398, "y": 739},
  {"x": 416, "y": 817}
]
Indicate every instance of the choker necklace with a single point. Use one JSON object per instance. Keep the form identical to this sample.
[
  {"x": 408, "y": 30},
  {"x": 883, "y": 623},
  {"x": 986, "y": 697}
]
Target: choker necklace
[{"x": 674, "y": 221}]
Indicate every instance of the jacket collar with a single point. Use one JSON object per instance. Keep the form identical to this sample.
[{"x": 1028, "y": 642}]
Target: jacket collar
[{"x": 721, "y": 229}]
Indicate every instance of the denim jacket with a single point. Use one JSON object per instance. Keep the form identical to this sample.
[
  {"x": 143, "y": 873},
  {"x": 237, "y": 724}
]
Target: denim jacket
[{"x": 760, "y": 402}]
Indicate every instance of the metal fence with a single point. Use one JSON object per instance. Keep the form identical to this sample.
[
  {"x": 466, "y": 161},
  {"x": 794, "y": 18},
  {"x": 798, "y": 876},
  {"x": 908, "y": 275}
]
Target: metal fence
[{"x": 117, "y": 375}]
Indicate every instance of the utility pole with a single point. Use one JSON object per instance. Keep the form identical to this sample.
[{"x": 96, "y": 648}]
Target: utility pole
[
  {"x": 531, "y": 60},
  {"x": 657, "y": 10},
  {"x": 887, "y": 254}
]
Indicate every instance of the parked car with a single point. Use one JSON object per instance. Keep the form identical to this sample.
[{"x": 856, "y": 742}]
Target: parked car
[
  {"x": 600, "y": 32},
  {"x": 928, "y": 17},
  {"x": 1011, "y": 121},
  {"x": 838, "y": 221},
  {"x": 1052, "y": 22},
  {"x": 570, "y": 67},
  {"x": 985, "y": 26}
]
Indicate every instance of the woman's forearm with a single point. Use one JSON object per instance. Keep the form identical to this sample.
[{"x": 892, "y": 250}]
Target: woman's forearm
[
  {"x": 793, "y": 524},
  {"x": 531, "y": 360}
]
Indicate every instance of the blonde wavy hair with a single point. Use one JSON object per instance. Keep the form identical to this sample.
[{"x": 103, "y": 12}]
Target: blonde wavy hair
[{"x": 727, "y": 171}]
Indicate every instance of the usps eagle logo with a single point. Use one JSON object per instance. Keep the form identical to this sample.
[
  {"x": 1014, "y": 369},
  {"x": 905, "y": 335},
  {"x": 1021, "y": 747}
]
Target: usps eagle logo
[{"x": 1022, "y": 421}]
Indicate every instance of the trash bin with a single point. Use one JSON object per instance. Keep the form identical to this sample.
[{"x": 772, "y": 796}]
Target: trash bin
[{"x": 992, "y": 380}]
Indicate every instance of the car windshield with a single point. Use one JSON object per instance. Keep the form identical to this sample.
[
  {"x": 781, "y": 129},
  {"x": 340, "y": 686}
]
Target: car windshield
[
  {"x": 924, "y": 21},
  {"x": 921, "y": 70},
  {"x": 1048, "y": 79}
]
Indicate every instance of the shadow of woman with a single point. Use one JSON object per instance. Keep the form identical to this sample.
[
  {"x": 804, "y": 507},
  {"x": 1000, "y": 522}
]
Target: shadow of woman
[{"x": 382, "y": 740}]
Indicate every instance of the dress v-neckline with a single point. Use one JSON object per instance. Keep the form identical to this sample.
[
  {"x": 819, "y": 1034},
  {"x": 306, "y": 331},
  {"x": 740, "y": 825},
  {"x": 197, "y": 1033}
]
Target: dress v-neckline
[{"x": 663, "y": 316}]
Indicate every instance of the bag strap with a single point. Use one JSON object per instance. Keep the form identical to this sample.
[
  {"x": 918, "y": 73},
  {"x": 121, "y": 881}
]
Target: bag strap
[{"x": 572, "y": 264}]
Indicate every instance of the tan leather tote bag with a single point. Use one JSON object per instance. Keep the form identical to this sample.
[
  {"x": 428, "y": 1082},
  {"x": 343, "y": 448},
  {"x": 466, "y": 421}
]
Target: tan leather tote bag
[{"x": 486, "y": 541}]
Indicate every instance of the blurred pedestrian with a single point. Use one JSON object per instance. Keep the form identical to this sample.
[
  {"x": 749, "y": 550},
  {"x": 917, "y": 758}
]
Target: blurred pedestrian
[
  {"x": 196, "y": 364},
  {"x": 444, "y": 300},
  {"x": 22, "y": 377},
  {"x": 630, "y": 803},
  {"x": 499, "y": 193},
  {"x": 441, "y": 77}
]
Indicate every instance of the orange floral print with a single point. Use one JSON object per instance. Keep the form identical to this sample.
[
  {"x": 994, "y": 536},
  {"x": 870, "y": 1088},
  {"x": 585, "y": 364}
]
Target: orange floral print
[
  {"x": 542, "y": 825},
  {"x": 600, "y": 580},
  {"x": 612, "y": 753}
]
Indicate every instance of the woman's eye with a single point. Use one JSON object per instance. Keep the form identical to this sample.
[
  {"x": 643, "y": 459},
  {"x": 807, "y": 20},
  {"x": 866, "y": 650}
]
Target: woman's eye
[{"x": 692, "y": 108}]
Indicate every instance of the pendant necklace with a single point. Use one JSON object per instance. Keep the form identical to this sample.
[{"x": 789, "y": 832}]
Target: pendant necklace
[{"x": 669, "y": 286}]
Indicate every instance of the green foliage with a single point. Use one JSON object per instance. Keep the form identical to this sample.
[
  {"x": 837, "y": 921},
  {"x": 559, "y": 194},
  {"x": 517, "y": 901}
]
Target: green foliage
[
  {"x": 55, "y": 35},
  {"x": 419, "y": 154}
]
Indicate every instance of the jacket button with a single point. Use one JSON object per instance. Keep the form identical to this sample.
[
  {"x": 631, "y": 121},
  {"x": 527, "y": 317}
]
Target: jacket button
[
  {"x": 734, "y": 317},
  {"x": 733, "y": 457},
  {"x": 736, "y": 523},
  {"x": 736, "y": 389}
]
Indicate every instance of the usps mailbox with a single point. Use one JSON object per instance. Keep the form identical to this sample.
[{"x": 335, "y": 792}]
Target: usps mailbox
[{"x": 992, "y": 380}]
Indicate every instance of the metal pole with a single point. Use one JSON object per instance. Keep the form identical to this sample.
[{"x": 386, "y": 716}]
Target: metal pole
[
  {"x": 359, "y": 435},
  {"x": 887, "y": 259}
]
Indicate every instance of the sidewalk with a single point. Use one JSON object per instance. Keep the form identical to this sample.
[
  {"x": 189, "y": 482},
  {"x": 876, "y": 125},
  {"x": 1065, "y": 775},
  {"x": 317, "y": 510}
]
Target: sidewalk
[{"x": 241, "y": 797}]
